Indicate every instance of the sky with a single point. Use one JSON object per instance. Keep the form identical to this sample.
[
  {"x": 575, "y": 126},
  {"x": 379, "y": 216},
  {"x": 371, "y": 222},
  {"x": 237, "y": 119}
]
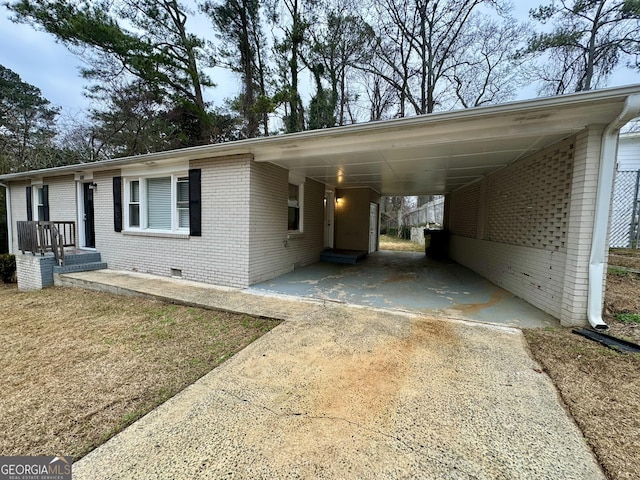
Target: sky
[{"x": 48, "y": 65}]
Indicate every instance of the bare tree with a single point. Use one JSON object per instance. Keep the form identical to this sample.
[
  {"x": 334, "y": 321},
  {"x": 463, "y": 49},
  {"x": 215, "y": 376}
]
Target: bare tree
[
  {"x": 487, "y": 69},
  {"x": 588, "y": 40},
  {"x": 420, "y": 43}
]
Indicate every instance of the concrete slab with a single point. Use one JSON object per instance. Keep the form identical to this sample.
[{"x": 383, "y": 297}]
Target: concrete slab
[
  {"x": 347, "y": 392},
  {"x": 410, "y": 281},
  {"x": 351, "y": 393}
]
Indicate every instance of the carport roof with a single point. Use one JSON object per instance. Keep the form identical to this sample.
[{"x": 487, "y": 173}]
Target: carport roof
[{"x": 428, "y": 154}]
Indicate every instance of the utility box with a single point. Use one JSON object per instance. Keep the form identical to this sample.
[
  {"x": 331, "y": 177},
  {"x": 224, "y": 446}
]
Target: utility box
[{"x": 436, "y": 243}]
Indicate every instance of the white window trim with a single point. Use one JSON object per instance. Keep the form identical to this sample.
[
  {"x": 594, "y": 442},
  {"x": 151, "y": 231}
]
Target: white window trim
[
  {"x": 35, "y": 209},
  {"x": 143, "y": 228},
  {"x": 300, "y": 185}
]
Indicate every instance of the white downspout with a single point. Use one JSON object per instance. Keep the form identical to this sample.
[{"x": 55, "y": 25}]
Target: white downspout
[
  {"x": 608, "y": 154},
  {"x": 7, "y": 194}
]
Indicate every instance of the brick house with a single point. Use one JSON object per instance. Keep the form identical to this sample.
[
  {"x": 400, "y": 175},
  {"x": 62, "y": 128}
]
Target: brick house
[{"x": 527, "y": 188}]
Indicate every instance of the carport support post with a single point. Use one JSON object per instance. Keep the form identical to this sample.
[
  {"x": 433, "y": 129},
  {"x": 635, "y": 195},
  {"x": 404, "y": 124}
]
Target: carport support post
[{"x": 580, "y": 226}]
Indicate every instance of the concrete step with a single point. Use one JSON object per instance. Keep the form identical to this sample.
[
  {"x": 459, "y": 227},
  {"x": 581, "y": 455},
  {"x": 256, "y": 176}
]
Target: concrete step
[
  {"x": 80, "y": 267},
  {"x": 76, "y": 258}
]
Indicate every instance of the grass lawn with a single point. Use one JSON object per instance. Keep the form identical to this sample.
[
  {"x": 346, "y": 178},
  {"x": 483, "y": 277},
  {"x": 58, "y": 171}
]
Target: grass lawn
[
  {"x": 399, "y": 244},
  {"x": 600, "y": 387},
  {"x": 79, "y": 366}
]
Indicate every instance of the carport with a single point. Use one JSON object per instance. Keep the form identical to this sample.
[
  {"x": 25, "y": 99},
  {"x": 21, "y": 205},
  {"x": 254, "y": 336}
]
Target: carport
[
  {"x": 410, "y": 282},
  {"x": 527, "y": 185}
]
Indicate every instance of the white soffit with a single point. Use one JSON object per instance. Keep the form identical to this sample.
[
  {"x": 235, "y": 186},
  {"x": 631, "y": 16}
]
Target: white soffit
[{"x": 433, "y": 156}]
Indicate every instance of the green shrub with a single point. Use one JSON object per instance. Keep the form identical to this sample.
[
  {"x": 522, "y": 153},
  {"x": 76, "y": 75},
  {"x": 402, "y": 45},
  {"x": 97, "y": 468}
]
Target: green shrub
[{"x": 7, "y": 267}]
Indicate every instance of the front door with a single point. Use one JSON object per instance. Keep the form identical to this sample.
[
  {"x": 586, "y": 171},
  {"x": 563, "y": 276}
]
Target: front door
[
  {"x": 89, "y": 227},
  {"x": 329, "y": 214},
  {"x": 373, "y": 227}
]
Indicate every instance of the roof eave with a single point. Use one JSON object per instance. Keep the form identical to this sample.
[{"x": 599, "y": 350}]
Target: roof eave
[{"x": 251, "y": 146}]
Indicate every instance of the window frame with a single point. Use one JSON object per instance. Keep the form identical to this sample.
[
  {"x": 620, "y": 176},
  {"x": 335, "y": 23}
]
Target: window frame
[
  {"x": 143, "y": 202},
  {"x": 300, "y": 207},
  {"x": 131, "y": 202},
  {"x": 38, "y": 202}
]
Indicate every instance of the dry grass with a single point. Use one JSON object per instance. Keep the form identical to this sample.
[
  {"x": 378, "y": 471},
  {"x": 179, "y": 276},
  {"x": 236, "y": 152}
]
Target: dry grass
[
  {"x": 399, "y": 244},
  {"x": 600, "y": 387},
  {"x": 79, "y": 366},
  {"x": 625, "y": 257}
]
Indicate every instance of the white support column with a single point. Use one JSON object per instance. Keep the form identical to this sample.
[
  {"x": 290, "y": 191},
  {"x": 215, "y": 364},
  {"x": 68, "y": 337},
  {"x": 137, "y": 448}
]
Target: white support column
[{"x": 580, "y": 226}]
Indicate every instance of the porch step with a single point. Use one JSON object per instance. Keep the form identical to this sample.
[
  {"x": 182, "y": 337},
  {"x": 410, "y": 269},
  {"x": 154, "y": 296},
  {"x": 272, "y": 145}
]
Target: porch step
[
  {"x": 342, "y": 256},
  {"x": 80, "y": 267},
  {"x": 84, "y": 257}
]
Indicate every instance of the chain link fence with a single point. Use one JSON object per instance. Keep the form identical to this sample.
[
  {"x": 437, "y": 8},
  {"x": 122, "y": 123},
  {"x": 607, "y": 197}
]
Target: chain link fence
[{"x": 625, "y": 231}]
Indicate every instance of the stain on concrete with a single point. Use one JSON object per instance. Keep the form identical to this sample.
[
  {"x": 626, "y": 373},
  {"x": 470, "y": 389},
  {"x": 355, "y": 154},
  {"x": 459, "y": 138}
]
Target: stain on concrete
[
  {"x": 401, "y": 277},
  {"x": 496, "y": 298}
]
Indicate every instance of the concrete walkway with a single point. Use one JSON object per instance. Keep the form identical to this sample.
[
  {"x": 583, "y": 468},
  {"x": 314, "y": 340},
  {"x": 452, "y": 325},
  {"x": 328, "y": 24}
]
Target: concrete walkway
[{"x": 343, "y": 392}]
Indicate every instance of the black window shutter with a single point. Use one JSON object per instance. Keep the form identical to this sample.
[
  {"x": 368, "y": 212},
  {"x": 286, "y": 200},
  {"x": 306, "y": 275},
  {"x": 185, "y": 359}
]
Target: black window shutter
[
  {"x": 195, "y": 207},
  {"x": 29, "y": 204},
  {"x": 117, "y": 204},
  {"x": 45, "y": 203}
]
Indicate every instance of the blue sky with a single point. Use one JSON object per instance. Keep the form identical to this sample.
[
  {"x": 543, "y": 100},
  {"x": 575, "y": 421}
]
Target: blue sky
[{"x": 42, "y": 62}]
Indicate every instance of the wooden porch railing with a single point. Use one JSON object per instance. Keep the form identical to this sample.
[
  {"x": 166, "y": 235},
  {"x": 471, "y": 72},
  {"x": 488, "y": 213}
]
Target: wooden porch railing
[{"x": 41, "y": 237}]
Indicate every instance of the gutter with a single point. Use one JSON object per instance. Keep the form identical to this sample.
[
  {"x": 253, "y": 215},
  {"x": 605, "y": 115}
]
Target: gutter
[
  {"x": 9, "y": 219},
  {"x": 597, "y": 263}
]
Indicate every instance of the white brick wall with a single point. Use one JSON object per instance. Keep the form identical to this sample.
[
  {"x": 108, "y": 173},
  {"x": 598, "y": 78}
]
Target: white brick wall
[
  {"x": 272, "y": 250},
  {"x": 217, "y": 257},
  {"x": 63, "y": 199},
  {"x": 18, "y": 209},
  {"x": 580, "y": 226},
  {"x": 533, "y": 236},
  {"x": 464, "y": 204},
  {"x": 529, "y": 201},
  {"x": 34, "y": 272},
  {"x": 533, "y": 274}
]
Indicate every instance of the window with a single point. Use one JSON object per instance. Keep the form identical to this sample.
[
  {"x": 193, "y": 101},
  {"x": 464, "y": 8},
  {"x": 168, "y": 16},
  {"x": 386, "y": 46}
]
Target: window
[
  {"x": 134, "y": 203},
  {"x": 158, "y": 203},
  {"x": 159, "y": 210},
  {"x": 182, "y": 202},
  {"x": 40, "y": 202},
  {"x": 295, "y": 207}
]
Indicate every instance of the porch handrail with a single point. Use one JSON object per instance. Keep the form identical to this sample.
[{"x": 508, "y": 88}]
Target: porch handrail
[{"x": 46, "y": 236}]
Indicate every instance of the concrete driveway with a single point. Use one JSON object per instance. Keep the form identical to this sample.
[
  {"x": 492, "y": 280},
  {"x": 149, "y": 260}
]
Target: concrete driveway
[{"x": 346, "y": 392}]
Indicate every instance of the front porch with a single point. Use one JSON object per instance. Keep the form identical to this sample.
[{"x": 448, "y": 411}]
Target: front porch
[{"x": 49, "y": 248}]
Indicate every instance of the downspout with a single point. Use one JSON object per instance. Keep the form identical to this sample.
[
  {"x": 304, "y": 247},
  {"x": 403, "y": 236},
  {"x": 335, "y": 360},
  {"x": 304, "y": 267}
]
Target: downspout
[
  {"x": 7, "y": 194},
  {"x": 608, "y": 154}
]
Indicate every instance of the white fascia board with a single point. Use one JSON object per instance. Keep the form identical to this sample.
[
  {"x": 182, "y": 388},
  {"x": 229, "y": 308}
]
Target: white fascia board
[{"x": 154, "y": 169}]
